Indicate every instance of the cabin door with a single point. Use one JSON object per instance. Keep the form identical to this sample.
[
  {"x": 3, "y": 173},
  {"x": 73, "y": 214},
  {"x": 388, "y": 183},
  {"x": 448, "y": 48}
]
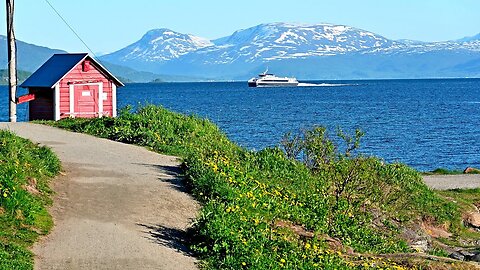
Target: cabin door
[{"x": 86, "y": 101}]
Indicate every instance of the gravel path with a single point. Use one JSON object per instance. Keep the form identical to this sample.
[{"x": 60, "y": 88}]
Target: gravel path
[
  {"x": 462, "y": 181},
  {"x": 118, "y": 206}
]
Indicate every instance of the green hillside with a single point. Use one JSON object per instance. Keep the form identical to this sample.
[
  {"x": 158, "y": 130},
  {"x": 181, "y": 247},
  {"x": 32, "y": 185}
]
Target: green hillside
[
  {"x": 21, "y": 76},
  {"x": 30, "y": 56},
  {"x": 129, "y": 75}
]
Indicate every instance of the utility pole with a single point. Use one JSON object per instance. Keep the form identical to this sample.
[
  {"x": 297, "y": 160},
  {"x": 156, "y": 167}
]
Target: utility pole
[{"x": 12, "y": 62}]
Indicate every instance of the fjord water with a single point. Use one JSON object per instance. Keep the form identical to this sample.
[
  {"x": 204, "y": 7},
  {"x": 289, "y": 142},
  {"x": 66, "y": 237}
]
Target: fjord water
[{"x": 424, "y": 123}]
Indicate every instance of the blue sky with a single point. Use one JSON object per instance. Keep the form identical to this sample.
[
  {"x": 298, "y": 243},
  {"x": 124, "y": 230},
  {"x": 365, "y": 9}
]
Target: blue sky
[{"x": 108, "y": 25}]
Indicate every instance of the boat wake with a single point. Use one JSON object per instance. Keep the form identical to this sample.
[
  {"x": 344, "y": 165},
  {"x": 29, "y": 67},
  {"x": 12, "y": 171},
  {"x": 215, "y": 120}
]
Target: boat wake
[{"x": 321, "y": 84}]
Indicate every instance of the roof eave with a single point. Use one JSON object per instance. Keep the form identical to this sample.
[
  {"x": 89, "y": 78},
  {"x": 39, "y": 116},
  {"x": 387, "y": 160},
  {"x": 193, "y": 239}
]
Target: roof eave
[
  {"x": 66, "y": 73},
  {"x": 97, "y": 63},
  {"x": 118, "y": 82},
  {"x": 37, "y": 86}
]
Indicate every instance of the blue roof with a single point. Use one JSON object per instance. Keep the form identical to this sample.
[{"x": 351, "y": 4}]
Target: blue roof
[{"x": 50, "y": 73}]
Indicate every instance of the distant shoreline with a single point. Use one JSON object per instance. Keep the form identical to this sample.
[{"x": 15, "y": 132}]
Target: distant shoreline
[{"x": 313, "y": 80}]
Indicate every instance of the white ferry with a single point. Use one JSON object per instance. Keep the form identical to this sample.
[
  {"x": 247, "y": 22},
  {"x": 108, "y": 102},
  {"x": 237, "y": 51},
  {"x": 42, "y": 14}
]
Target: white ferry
[{"x": 269, "y": 80}]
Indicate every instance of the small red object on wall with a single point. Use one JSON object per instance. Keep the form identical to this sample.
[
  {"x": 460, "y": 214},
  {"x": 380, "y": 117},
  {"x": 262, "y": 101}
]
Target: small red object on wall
[{"x": 86, "y": 66}]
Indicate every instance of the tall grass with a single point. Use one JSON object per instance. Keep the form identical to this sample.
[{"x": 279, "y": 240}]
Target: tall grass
[
  {"x": 264, "y": 210},
  {"x": 23, "y": 215}
]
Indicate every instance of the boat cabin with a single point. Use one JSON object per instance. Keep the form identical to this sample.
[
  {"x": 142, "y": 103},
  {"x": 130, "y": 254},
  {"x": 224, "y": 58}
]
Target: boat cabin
[{"x": 71, "y": 85}]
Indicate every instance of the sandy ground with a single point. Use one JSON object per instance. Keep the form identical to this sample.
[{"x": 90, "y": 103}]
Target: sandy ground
[
  {"x": 118, "y": 206},
  {"x": 463, "y": 181}
]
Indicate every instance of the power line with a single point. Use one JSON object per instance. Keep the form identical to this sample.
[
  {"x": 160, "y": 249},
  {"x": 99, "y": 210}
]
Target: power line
[{"x": 71, "y": 28}]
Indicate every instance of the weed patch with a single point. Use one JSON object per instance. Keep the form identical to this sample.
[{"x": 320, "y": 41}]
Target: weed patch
[
  {"x": 25, "y": 170},
  {"x": 271, "y": 209}
]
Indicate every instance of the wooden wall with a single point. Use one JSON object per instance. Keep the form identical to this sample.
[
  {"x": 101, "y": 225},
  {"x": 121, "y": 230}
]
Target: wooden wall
[
  {"x": 79, "y": 75},
  {"x": 42, "y": 107}
]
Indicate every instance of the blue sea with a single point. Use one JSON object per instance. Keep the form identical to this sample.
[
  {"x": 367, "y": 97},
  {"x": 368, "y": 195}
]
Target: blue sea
[{"x": 424, "y": 123}]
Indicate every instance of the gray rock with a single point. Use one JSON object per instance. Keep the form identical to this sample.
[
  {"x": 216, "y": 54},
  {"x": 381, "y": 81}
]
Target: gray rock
[
  {"x": 475, "y": 258},
  {"x": 468, "y": 254},
  {"x": 421, "y": 245},
  {"x": 457, "y": 256},
  {"x": 473, "y": 219}
]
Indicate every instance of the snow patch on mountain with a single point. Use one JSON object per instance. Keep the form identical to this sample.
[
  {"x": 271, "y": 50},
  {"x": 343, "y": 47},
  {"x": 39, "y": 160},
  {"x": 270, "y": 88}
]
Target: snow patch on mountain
[
  {"x": 159, "y": 45},
  {"x": 424, "y": 47},
  {"x": 276, "y": 41}
]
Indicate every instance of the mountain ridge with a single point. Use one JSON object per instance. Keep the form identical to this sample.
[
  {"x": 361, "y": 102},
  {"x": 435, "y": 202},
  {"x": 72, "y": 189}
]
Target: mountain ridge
[
  {"x": 287, "y": 45},
  {"x": 306, "y": 51}
]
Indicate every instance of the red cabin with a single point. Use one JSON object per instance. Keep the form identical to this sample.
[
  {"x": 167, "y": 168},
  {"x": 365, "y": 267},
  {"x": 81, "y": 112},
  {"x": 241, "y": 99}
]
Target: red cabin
[{"x": 71, "y": 85}]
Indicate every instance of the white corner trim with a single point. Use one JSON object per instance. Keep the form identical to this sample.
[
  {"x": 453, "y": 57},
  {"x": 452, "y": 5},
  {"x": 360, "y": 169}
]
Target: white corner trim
[
  {"x": 57, "y": 102},
  {"x": 114, "y": 99},
  {"x": 100, "y": 99},
  {"x": 72, "y": 96}
]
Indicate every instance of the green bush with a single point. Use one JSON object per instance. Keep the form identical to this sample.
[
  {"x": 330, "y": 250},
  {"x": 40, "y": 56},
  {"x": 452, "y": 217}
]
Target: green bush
[
  {"x": 266, "y": 209},
  {"x": 23, "y": 215},
  {"x": 443, "y": 171}
]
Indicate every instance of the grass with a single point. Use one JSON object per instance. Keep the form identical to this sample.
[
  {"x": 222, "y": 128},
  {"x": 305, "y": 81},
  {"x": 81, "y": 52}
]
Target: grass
[
  {"x": 23, "y": 214},
  {"x": 443, "y": 171},
  {"x": 267, "y": 210},
  {"x": 463, "y": 196}
]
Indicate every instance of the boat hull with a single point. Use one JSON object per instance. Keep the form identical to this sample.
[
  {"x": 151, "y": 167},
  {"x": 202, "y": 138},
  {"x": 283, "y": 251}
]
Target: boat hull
[{"x": 286, "y": 84}]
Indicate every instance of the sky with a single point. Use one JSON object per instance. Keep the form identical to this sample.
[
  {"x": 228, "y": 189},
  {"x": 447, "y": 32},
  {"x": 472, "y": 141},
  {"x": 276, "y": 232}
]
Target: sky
[{"x": 109, "y": 25}]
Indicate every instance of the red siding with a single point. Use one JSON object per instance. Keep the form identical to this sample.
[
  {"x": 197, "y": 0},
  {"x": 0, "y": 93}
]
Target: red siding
[{"x": 77, "y": 75}]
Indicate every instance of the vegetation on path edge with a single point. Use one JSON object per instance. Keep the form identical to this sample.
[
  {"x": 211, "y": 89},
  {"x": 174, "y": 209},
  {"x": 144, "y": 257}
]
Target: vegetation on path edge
[
  {"x": 307, "y": 206},
  {"x": 443, "y": 171},
  {"x": 25, "y": 171}
]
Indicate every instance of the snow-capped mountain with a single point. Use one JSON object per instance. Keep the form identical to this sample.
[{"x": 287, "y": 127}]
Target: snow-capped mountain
[
  {"x": 470, "y": 39},
  {"x": 263, "y": 42},
  {"x": 158, "y": 45},
  {"x": 313, "y": 51},
  {"x": 276, "y": 41}
]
